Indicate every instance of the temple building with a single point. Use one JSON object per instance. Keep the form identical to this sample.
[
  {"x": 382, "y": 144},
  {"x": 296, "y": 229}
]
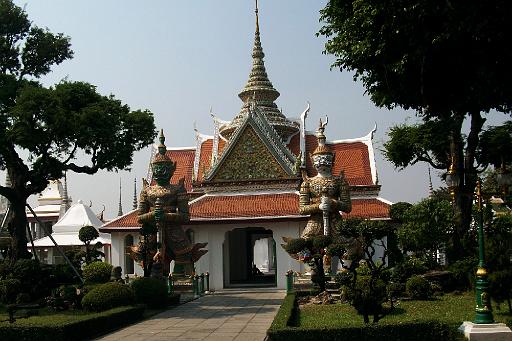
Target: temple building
[{"x": 243, "y": 185}]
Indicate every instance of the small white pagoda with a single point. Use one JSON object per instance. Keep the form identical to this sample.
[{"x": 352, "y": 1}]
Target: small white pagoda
[{"x": 65, "y": 233}]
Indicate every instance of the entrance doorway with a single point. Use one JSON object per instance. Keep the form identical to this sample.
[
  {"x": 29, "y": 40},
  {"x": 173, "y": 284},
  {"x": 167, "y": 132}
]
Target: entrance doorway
[{"x": 250, "y": 258}]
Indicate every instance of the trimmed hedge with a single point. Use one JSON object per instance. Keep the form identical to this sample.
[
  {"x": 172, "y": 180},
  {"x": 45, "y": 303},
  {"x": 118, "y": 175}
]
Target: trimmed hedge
[
  {"x": 150, "y": 291},
  {"x": 419, "y": 331},
  {"x": 64, "y": 328},
  {"x": 108, "y": 296},
  {"x": 284, "y": 327},
  {"x": 286, "y": 315},
  {"x": 97, "y": 272}
]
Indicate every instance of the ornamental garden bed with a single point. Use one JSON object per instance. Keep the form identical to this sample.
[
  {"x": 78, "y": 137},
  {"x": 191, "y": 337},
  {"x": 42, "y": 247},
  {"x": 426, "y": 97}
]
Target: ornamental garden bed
[
  {"x": 436, "y": 319},
  {"x": 67, "y": 325}
]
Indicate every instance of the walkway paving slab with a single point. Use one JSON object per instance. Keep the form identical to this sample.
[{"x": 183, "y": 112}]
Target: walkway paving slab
[{"x": 237, "y": 315}]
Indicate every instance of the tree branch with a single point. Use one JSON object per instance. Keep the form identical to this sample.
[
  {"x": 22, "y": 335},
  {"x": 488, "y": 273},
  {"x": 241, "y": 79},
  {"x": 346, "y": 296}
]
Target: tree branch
[
  {"x": 82, "y": 169},
  {"x": 72, "y": 154}
]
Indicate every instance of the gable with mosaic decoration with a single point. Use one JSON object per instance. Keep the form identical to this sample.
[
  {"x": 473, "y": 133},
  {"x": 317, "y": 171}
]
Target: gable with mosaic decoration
[{"x": 249, "y": 159}]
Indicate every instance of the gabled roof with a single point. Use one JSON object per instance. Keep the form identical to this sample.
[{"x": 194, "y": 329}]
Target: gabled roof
[
  {"x": 267, "y": 135},
  {"x": 353, "y": 156}
]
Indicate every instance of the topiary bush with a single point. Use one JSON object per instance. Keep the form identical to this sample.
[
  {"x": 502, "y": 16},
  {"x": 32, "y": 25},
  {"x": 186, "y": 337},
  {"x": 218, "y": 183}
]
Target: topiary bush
[
  {"x": 150, "y": 291},
  {"x": 97, "y": 272},
  {"x": 9, "y": 290},
  {"x": 418, "y": 288},
  {"x": 367, "y": 296},
  {"x": 410, "y": 266},
  {"x": 295, "y": 245},
  {"x": 107, "y": 296}
]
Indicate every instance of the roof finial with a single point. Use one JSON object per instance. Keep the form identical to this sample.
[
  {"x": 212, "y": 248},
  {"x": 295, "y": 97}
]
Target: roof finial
[
  {"x": 430, "y": 187},
  {"x": 120, "y": 210},
  {"x": 134, "y": 193},
  {"x": 257, "y": 19}
]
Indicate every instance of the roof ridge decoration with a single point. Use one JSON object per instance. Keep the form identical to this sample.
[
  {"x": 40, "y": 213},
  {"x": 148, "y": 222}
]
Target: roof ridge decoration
[
  {"x": 200, "y": 138},
  {"x": 260, "y": 86},
  {"x": 266, "y": 134}
]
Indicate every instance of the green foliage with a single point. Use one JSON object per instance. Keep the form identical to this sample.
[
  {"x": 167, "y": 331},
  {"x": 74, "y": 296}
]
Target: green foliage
[
  {"x": 295, "y": 245},
  {"x": 150, "y": 291},
  {"x": 97, "y": 272},
  {"x": 408, "y": 267},
  {"x": 500, "y": 286},
  {"x": 418, "y": 288},
  {"x": 463, "y": 272},
  {"x": 9, "y": 289},
  {"x": 107, "y": 296},
  {"x": 427, "y": 226},
  {"x": 65, "y": 326},
  {"x": 53, "y": 125},
  {"x": 87, "y": 234},
  {"x": 367, "y": 296},
  {"x": 321, "y": 241},
  {"x": 496, "y": 144},
  {"x": 286, "y": 315},
  {"x": 344, "y": 278},
  {"x": 445, "y": 41},
  {"x": 498, "y": 243},
  {"x": 397, "y": 211}
]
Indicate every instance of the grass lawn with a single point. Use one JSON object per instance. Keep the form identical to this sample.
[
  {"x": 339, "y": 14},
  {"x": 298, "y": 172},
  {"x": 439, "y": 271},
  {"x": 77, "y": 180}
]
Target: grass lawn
[
  {"x": 450, "y": 309},
  {"x": 46, "y": 316}
]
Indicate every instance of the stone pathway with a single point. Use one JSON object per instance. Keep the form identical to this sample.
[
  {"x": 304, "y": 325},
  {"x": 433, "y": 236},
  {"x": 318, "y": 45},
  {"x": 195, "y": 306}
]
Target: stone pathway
[{"x": 240, "y": 315}]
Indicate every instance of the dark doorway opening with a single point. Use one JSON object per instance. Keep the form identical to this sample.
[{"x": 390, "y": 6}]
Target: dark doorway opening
[{"x": 250, "y": 258}]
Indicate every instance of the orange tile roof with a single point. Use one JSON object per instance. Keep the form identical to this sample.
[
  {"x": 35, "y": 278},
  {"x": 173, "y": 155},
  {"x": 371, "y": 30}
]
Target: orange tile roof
[
  {"x": 184, "y": 159},
  {"x": 127, "y": 221},
  {"x": 369, "y": 208},
  {"x": 205, "y": 158},
  {"x": 351, "y": 157},
  {"x": 247, "y": 206},
  {"x": 228, "y": 207}
]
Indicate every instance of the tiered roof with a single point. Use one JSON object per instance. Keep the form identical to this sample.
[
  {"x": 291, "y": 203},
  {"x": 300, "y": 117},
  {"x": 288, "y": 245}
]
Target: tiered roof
[{"x": 226, "y": 184}]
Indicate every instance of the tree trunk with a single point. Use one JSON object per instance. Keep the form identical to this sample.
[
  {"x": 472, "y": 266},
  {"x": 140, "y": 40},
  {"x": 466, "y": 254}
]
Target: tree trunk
[
  {"x": 465, "y": 162},
  {"x": 18, "y": 229}
]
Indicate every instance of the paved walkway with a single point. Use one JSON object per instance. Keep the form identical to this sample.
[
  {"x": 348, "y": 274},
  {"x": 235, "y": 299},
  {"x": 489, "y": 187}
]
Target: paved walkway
[{"x": 241, "y": 315}]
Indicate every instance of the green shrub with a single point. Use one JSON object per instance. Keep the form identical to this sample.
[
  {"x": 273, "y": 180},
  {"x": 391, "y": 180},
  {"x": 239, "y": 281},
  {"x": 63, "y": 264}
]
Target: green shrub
[
  {"x": 418, "y": 288},
  {"x": 97, "y": 272},
  {"x": 367, "y": 296},
  {"x": 344, "y": 278},
  {"x": 500, "y": 286},
  {"x": 22, "y": 297},
  {"x": 107, "y": 296},
  {"x": 70, "y": 327},
  {"x": 395, "y": 290},
  {"x": 9, "y": 290},
  {"x": 295, "y": 245},
  {"x": 408, "y": 267},
  {"x": 464, "y": 273},
  {"x": 320, "y": 242},
  {"x": 418, "y": 331},
  {"x": 287, "y": 314},
  {"x": 150, "y": 291}
]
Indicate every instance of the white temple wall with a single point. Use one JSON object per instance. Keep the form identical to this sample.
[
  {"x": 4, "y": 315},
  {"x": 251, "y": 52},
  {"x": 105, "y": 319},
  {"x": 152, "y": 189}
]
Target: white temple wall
[
  {"x": 118, "y": 254},
  {"x": 215, "y": 235}
]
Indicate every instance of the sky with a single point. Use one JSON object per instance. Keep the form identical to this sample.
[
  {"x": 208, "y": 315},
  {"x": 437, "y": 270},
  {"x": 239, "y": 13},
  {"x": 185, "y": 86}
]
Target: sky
[{"x": 179, "y": 58}]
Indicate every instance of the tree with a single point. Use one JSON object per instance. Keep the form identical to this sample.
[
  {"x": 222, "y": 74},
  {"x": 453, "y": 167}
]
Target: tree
[
  {"x": 448, "y": 60},
  {"x": 426, "y": 228},
  {"x": 45, "y": 132},
  {"x": 365, "y": 282},
  {"x": 86, "y": 235}
]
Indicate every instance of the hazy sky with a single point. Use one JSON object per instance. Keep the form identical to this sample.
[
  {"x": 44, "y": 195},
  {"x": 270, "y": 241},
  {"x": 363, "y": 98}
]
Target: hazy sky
[{"x": 179, "y": 58}]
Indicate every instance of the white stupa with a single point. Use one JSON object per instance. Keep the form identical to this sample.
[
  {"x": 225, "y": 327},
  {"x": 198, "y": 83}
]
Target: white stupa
[{"x": 65, "y": 231}]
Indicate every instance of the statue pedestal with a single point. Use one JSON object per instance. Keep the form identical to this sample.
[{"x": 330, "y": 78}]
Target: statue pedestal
[{"x": 486, "y": 332}]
